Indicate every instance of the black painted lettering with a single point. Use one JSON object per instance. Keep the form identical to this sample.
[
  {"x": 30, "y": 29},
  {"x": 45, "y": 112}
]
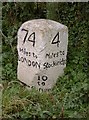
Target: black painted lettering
[
  {"x": 47, "y": 65},
  {"x": 48, "y": 55},
  {"x": 26, "y": 53},
  {"x": 52, "y": 55},
  {"x": 47, "y": 89},
  {"x": 29, "y": 63},
  {"x": 34, "y": 55},
  {"x": 29, "y": 53},
  {"x": 62, "y": 62},
  {"x": 54, "y": 63},
  {"x": 56, "y": 40},
  {"x": 44, "y": 78},
  {"x": 40, "y": 89},
  {"x": 21, "y": 49},
  {"x": 43, "y": 83},
  {"x": 55, "y": 54},
  {"x": 36, "y": 64},
  {"x": 38, "y": 83},
  {"x": 38, "y": 77},
  {"x": 62, "y": 52},
  {"x": 25, "y": 35},
  {"x": 31, "y": 38},
  {"x": 25, "y": 60},
  {"x": 24, "y": 50},
  {"x": 32, "y": 86},
  {"x": 22, "y": 59}
]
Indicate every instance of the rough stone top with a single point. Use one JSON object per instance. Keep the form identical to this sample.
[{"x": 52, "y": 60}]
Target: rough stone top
[{"x": 44, "y": 23}]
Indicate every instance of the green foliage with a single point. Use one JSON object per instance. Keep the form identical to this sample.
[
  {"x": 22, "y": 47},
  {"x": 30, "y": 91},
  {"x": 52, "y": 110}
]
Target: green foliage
[{"x": 69, "y": 97}]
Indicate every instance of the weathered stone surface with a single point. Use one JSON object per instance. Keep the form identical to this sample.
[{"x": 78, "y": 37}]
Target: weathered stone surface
[{"x": 42, "y": 50}]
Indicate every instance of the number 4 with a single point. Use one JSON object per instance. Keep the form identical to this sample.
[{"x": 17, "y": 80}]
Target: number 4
[
  {"x": 56, "y": 40},
  {"x": 32, "y": 38}
]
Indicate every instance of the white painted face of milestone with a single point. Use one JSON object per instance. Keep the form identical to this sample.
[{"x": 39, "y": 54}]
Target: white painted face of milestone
[{"x": 42, "y": 50}]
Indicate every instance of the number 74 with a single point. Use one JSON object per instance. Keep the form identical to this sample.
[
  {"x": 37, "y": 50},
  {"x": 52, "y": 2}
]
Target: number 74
[{"x": 31, "y": 38}]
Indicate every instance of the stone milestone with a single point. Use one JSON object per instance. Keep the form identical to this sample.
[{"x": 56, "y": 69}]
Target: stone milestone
[{"x": 42, "y": 50}]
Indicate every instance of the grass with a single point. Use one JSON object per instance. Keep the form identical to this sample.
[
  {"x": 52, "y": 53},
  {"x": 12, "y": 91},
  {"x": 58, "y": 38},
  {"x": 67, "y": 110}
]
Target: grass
[{"x": 67, "y": 99}]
